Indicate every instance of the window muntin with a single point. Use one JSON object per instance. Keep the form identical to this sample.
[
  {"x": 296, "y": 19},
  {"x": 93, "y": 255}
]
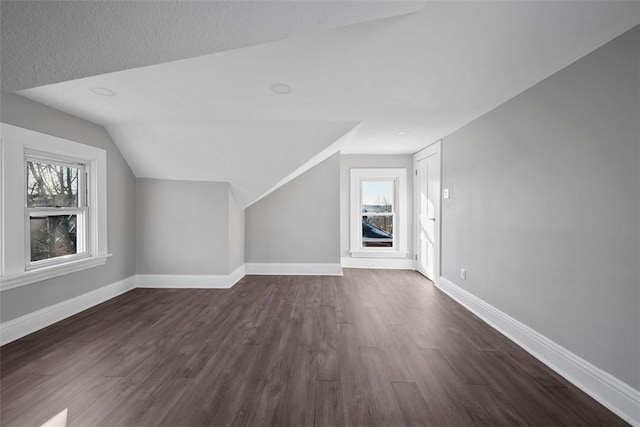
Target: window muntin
[
  {"x": 56, "y": 210},
  {"x": 378, "y": 213}
]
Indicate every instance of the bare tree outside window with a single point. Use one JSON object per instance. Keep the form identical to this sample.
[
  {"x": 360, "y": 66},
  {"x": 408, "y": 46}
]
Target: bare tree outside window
[
  {"x": 55, "y": 187},
  {"x": 53, "y": 236},
  {"x": 50, "y": 185}
]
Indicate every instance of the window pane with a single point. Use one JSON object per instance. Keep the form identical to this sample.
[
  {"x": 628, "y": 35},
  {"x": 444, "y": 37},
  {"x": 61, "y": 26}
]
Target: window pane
[
  {"x": 50, "y": 185},
  {"x": 377, "y": 231},
  {"x": 53, "y": 236},
  {"x": 377, "y": 196}
]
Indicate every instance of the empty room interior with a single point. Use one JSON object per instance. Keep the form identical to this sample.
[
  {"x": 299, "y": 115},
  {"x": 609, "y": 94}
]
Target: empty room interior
[{"x": 320, "y": 213}]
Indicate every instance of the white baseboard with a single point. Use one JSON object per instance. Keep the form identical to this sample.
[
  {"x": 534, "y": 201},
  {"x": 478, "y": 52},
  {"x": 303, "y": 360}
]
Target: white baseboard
[
  {"x": 237, "y": 275},
  {"x": 384, "y": 263},
  {"x": 207, "y": 281},
  {"x": 29, "y": 323},
  {"x": 294, "y": 269},
  {"x": 616, "y": 395},
  {"x": 24, "y": 325}
]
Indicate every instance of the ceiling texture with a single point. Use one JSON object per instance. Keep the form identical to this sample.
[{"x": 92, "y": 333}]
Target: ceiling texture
[{"x": 192, "y": 80}]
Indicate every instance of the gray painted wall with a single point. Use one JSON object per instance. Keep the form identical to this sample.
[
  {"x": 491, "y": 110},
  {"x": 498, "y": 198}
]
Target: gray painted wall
[
  {"x": 349, "y": 161},
  {"x": 236, "y": 233},
  {"x": 182, "y": 227},
  {"x": 299, "y": 222},
  {"x": 121, "y": 199},
  {"x": 544, "y": 208}
]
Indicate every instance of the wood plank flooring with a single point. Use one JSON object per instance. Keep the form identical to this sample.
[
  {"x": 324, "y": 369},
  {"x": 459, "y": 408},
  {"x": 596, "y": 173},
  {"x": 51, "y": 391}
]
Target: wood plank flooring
[{"x": 372, "y": 348}]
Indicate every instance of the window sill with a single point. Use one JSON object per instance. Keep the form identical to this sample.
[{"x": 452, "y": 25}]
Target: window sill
[
  {"x": 379, "y": 254},
  {"x": 44, "y": 273}
]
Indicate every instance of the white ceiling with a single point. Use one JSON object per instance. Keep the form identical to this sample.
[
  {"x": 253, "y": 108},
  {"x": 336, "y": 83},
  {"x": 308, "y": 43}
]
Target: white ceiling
[
  {"x": 46, "y": 42},
  {"x": 427, "y": 73},
  {"x": 252, "y": 156}
]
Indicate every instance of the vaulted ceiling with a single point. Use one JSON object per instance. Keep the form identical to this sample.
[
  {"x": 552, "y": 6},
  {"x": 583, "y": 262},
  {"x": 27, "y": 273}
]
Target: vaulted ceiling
[{"x": 193, "y": 81}]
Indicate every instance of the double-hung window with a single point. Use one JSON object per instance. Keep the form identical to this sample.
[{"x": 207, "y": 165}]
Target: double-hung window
[
  {"x": 378, "y": 213},
  {"x": 57, "y": 209},
  {"x": 53, "y": 206}
]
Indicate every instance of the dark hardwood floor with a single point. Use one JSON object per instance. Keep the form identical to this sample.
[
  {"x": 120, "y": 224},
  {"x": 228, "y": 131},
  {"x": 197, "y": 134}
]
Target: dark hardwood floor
[{"x": 372, "y": 348}]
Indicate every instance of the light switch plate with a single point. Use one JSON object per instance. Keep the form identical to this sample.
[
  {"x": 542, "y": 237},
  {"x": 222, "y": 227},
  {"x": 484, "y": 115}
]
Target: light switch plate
[{"x": 445, "y": 193}]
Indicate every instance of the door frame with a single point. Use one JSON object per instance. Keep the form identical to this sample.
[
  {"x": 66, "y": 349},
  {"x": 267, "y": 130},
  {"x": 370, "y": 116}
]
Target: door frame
[{"x": 430, "y": 150}]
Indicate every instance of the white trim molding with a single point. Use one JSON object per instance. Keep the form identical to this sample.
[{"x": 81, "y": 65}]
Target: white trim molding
[
  {"x": 32, "y": 322},
  {"x": 382, "y": 263},
  {"x": 294, "y": 269},
  {"x": 17, "y": 145},
  {"x": 398, "y": 176},
  {"x": 24, "y": 325},
  {"x": 203, "y": 281},
  {"x": 44, "y": 273},
  {"x": 614, "y": 394},
  {"x": 380, "y": 254}
]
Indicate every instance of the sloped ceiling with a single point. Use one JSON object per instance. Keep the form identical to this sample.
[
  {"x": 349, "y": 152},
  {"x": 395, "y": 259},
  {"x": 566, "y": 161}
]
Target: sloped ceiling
[
  {"x": 252, "y": 156},
  {"x": 46, "y": 42},
  {"x": 424, "y": 74}
]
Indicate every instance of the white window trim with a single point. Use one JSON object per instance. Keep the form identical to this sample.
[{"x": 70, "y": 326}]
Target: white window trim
[
  {"x": 399, "y": 176},
  {"x": 15, "y": 143}
]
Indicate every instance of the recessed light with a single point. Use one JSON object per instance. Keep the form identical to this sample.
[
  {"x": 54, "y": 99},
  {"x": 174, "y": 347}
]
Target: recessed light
[
  {"x": 280, "y": 88},
  {"x": 103, "y": 91},
  {"x": 403, "y": 133}
]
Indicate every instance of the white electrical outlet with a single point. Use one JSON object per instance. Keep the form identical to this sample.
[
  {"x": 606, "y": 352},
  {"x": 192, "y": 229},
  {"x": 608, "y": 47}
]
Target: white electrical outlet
[
  {"x": 445, "y": 193},
  {"x": 463, "y": 274}
]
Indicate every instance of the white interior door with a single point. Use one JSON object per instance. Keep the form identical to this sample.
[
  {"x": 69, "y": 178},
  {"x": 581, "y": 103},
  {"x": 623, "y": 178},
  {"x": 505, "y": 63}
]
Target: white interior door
[{"x": 427, "y": 164}]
